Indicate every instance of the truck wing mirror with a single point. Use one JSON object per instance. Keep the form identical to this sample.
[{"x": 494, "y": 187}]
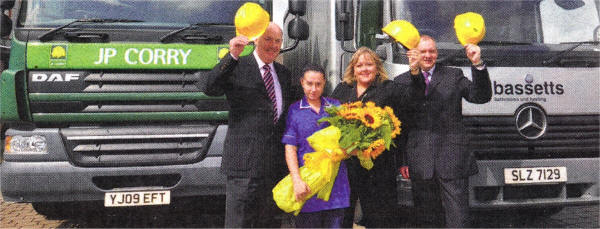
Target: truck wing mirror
[
  {"x": 297, "y": 7},
  {"x": 344, "y": 20},
  {"x": 6, "y": 4},
  {"x": 298, "y": 29},
  {"x": 569, "y": 4},
  {"x": 5, "y": 21},
  {"x": 6, "y": 25}
]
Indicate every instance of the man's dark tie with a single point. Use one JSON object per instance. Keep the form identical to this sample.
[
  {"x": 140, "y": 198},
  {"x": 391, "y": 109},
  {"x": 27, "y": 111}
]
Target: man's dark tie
[
  {"x": 426, "y": 75},
  {"x": 268, "y": 78}
]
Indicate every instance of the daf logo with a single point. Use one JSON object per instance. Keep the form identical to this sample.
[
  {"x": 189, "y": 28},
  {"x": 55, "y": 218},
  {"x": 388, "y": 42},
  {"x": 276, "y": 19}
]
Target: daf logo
[
  {"x": 531, "y": 122},
  {"x": 54, "y": 77}
]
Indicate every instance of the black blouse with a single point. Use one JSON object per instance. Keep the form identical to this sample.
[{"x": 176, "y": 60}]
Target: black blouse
[{"x": 401, "y": 97}]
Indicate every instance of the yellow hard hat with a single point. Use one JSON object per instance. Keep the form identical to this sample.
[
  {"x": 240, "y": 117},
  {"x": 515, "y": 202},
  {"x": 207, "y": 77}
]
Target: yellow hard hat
[
  {"x": 251, "y": 20},
  {"x": 469, "y": 27},
  {"x": 404, "y": 32}
]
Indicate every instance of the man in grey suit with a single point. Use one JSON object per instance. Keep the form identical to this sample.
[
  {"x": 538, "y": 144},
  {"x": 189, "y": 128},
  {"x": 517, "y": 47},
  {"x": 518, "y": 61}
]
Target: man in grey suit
[
  {"x": 437, "y": 153},
  {"x": 258, "y": 93}
]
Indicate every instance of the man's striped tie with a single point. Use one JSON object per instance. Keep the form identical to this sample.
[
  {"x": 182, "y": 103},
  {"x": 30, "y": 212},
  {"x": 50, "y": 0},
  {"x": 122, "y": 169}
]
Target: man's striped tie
[
  {"x": 268, "y": 78},
  {"x": 426, "y": 75}
]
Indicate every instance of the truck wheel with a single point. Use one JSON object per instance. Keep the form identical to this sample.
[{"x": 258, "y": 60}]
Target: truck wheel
[{"x": 54, "y": 210}]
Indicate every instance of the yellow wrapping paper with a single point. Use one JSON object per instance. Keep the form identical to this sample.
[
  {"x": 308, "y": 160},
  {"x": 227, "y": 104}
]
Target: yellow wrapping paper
[{"x": 319, "y": 171}]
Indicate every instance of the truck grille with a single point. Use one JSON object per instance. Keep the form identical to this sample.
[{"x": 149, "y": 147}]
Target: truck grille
[
  {"x": 137, "y": 146},
  {"x": 92, "y": 92},
  {"x": 496, "y": 138}
]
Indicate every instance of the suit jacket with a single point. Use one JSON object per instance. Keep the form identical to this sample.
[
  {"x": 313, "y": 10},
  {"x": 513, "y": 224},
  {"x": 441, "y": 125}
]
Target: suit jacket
[
  {"x": 437, "y": 140},
  {"x": 253, "y": 145}
]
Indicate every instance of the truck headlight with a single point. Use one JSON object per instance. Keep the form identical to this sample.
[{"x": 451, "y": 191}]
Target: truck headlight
[{"x": 25, "y": 145}]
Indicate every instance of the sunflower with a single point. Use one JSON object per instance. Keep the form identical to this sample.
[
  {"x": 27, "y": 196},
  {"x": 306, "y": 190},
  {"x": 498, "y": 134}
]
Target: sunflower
[
  {"x": 370, "y": 105},
  {"x": 397, "y": 129},
  {"x": 376, "y": 148},
  {"x": 351, "y": 113},
  {"x": 371, "y": 118},
  {"x": 367, "y": 152},
  {"x": 357, "y": 104},
  {"x": 396, "y": 123},
  {"x": 389, "y": 111}
]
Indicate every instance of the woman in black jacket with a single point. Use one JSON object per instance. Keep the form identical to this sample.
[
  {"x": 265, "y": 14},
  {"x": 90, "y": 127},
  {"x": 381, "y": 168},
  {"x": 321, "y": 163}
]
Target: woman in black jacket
[{"x": 366, "y": 80}]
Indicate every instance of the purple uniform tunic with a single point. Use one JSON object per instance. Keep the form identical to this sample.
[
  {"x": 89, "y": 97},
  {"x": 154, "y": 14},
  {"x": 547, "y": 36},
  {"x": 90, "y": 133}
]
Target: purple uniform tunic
[{"x": 301, "y": 123}]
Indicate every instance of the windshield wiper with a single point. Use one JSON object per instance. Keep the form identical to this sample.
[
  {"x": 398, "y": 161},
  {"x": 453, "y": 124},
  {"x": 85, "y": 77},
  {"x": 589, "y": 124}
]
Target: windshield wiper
[
  {"x": 48, "y": 35},
  {"x": 558, "y": 56},
  {"x": 166, "y": 37},
  {"x": 504, "y": 43},
  {"x": 452, "y": 55}
]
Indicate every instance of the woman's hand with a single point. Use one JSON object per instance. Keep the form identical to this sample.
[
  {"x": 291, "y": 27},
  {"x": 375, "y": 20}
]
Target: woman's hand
[{"x": 301, "y": 189}]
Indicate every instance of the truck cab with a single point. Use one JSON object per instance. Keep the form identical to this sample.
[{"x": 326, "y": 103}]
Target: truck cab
[
  {"x": 536, "y": 142},
  {"x": 100, "y": 102}
]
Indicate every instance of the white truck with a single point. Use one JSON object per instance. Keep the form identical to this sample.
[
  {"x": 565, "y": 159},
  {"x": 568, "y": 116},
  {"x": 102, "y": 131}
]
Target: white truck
[{"x": 537, "y": 141}]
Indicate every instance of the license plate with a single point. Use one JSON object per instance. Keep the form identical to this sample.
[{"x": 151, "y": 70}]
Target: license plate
[
  {"x": 535, "y": 175},
  {"x": 140, "y": 198}
]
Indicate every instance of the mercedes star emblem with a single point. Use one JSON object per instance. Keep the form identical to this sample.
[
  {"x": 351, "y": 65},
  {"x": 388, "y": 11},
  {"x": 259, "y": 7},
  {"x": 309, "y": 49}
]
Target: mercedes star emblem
[{"x": 531, "y": 122}]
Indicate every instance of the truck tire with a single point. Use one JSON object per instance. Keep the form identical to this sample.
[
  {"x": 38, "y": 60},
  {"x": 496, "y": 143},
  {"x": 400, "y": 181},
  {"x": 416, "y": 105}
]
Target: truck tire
[{"x": 55, "y": 210}]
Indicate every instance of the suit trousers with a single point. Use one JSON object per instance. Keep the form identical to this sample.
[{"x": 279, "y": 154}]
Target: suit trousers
[
  {"x": 249, "y": 203},
  {"x": 376, "y": 193},
  {"x": 438, "y": 198}
]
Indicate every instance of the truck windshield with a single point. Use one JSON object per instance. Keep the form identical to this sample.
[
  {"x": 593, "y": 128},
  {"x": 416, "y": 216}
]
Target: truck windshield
[
  {"x": 166, "y": 12},
  {"x": 507, "y": 21}
]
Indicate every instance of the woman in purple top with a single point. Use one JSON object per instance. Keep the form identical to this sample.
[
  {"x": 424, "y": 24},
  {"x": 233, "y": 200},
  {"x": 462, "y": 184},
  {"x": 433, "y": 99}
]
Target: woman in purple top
[{"x": 301, "y": 123}]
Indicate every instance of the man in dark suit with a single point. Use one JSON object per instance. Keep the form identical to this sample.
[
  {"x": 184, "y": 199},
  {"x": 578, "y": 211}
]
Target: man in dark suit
[
  {"x": 437, "y": 153},
  {"x": 258, "y": 93}
]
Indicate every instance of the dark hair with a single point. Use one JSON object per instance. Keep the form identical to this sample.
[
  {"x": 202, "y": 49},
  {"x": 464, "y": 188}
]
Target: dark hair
[{"x": 314, "y": 68}]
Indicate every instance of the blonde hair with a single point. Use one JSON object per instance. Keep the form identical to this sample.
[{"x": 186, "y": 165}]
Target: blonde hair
[{"x": 349, "y": 77}]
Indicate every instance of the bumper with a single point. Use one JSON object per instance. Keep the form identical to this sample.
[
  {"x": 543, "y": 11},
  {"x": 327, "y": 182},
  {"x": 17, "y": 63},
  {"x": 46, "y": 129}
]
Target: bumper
[
  {"x": 487, "y": 189},
  {"x": 61, "y": 181},
  {"x": 55, "y": 179}
]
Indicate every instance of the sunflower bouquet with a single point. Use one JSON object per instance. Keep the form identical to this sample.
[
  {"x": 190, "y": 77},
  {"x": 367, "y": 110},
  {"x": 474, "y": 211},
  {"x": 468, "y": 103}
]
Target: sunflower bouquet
[
  {"x": 357, "y": 129},
  {"x": 367, "y": 130}
]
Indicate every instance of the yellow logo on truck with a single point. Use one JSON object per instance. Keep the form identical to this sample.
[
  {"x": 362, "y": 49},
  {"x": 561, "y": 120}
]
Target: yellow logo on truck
[
  {"x": 222, "y": 52},
  {"x": 58, "y": 52},
  {"x": 58, "y": 55}
]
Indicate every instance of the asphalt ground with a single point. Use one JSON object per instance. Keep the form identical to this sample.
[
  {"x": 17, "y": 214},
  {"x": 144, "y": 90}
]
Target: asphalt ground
[{"x": 196, "y": 215}]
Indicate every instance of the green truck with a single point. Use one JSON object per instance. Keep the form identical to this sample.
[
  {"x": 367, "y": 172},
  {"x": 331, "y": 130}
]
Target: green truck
[{"x": 99, "y": 103}]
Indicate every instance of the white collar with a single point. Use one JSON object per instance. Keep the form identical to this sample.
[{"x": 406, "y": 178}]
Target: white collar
[
  {"x": 305, "y": 105},
  {"x": 430, "y": 71},
  {"x": 260, "y": 62}
]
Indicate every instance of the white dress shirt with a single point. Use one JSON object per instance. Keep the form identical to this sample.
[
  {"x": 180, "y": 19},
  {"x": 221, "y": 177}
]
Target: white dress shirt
[{"x": 278, "y": 95}]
